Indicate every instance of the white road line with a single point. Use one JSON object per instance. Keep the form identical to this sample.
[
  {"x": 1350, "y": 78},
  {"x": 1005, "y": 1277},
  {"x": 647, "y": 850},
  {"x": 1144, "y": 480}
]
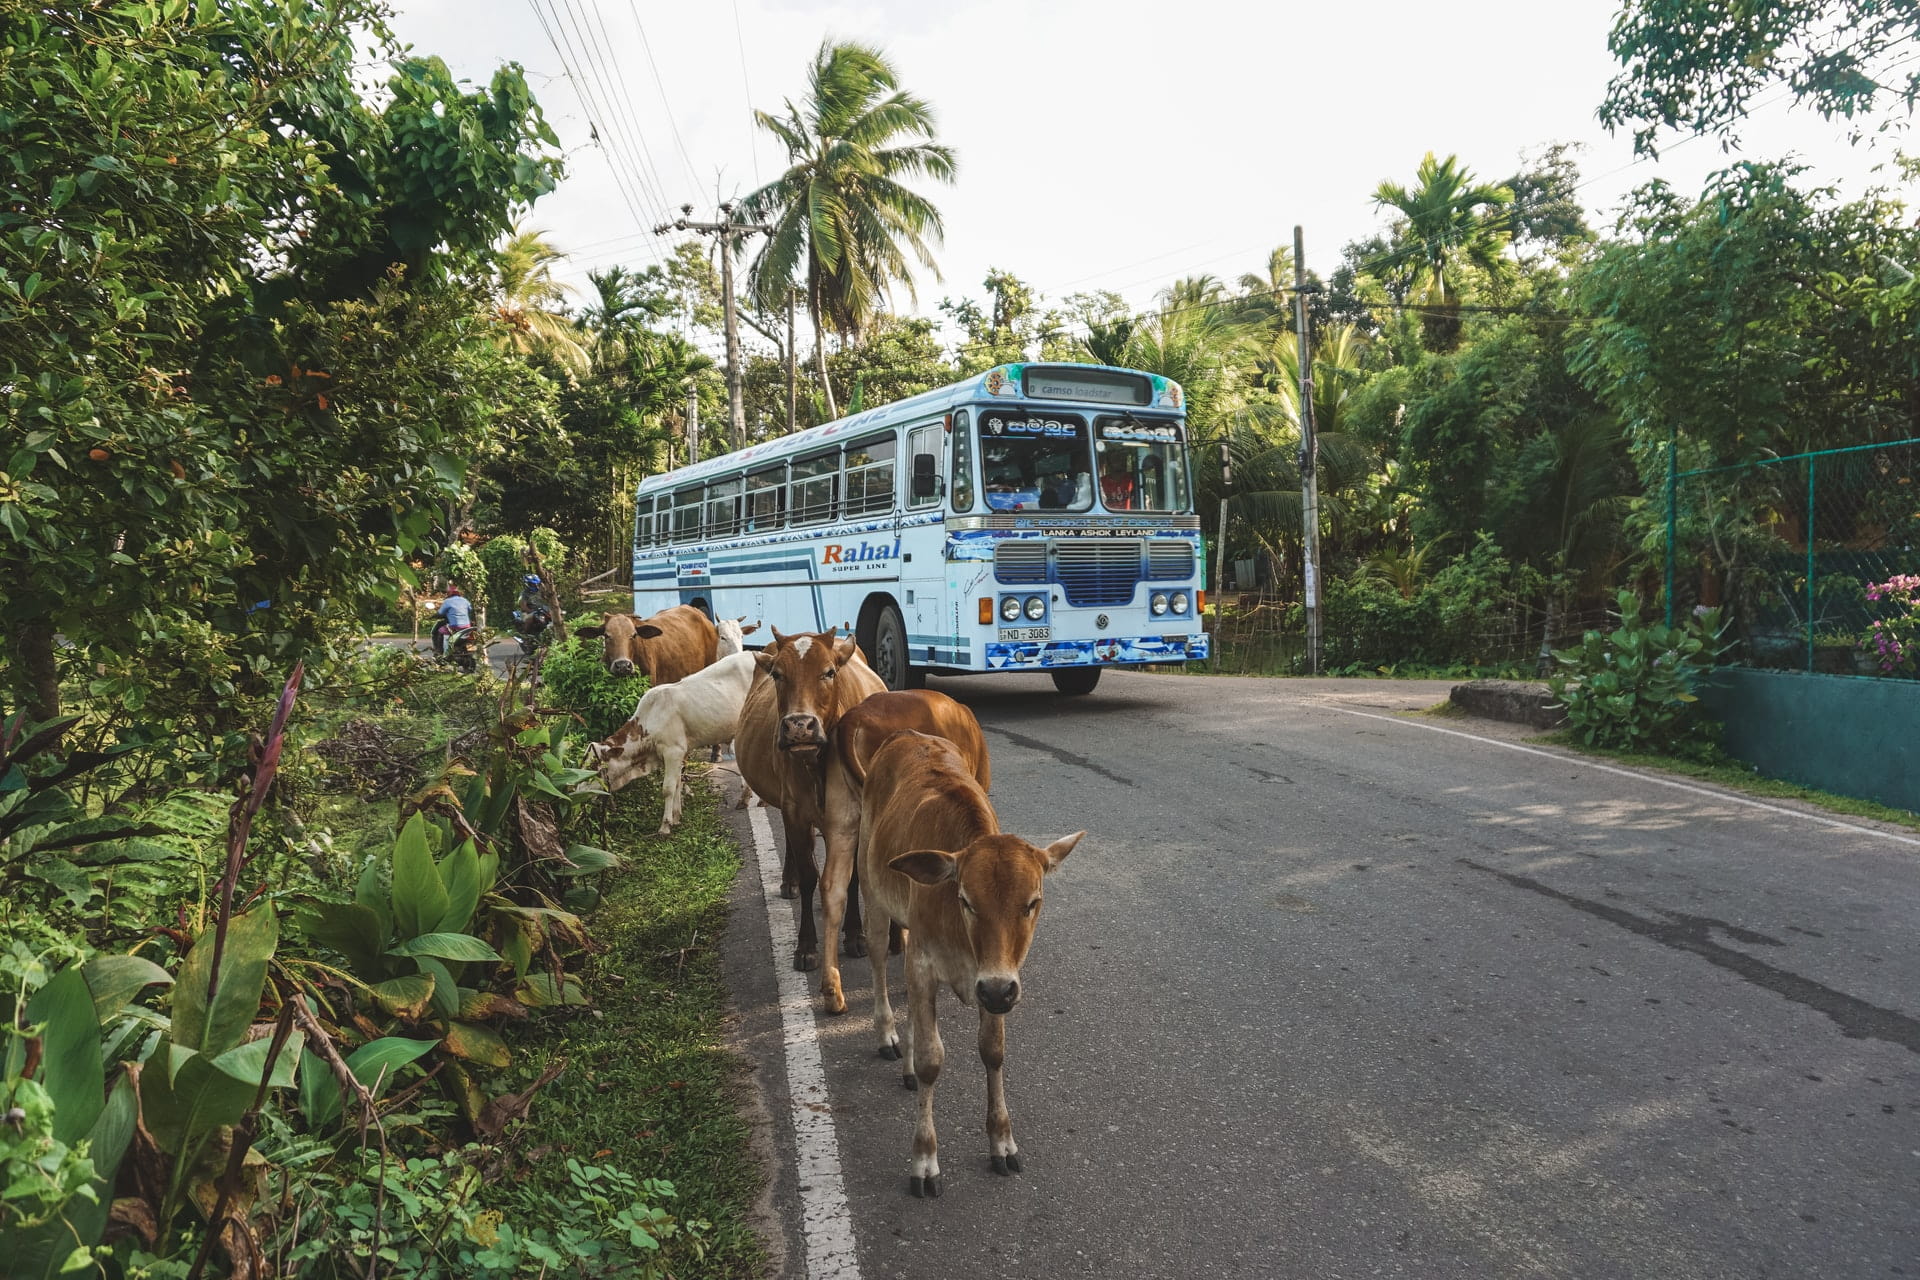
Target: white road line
[
  {"x": 826, "y": 1221},
  {"x": 1635, "y": 774}
]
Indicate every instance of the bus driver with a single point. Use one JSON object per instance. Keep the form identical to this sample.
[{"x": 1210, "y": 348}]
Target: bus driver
[{"x": 1116, "y": 482}]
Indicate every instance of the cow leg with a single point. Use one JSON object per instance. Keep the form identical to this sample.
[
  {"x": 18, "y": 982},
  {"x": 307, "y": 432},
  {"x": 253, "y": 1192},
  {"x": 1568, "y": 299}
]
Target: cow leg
[
  {"x": 993, "y": 1052},
  {"x": 856, "y": 933},
  {"x": 876, "y": 927},
  {"x": 672, "y": 761},
  {"x": 841, "y": 832},
  {"x": 925, "y": 1054},
  {"x": 804, "y": 875}
]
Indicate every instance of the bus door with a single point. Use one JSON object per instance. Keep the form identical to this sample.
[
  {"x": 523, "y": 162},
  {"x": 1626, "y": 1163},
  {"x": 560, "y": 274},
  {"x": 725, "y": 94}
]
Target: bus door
[{"x": 923, "y": 578}]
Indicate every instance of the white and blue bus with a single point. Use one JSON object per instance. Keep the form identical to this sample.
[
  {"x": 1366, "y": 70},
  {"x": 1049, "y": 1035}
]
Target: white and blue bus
[{"x": 1038, "y": 517}]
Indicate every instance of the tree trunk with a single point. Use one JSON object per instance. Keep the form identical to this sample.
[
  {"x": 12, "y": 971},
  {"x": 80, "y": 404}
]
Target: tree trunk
[
  {"x": 820, "y": 349},
  {"x": 37, "y": 675}
]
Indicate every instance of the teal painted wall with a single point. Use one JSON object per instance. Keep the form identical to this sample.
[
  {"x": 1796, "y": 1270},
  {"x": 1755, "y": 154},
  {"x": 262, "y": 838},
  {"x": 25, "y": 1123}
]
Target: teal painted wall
[{"x": 1847, "y": 734}]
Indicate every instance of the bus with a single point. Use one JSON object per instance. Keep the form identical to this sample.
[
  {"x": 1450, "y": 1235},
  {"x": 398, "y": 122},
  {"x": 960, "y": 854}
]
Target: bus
[{"x": 1037, "y": 517}]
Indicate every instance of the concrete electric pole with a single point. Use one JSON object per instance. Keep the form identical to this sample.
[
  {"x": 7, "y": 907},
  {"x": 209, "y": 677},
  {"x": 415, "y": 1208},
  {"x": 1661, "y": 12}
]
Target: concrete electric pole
[
  {"x": 729, "y": 233},
  {"x": 1309, "y": 461}
]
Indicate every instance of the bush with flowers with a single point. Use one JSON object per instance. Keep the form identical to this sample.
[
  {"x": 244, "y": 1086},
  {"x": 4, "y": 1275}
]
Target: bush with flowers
[{"x": 1894, "y": 640}]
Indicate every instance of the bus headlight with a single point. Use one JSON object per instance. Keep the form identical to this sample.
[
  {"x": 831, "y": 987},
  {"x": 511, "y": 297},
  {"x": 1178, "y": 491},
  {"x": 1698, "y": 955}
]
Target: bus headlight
[
  {"x": 1036, "y": 608},
  {"x": 1179, "y": 602},
  {"x": 1159, "y": 603},
  {"x": 1010, "y": 608}
]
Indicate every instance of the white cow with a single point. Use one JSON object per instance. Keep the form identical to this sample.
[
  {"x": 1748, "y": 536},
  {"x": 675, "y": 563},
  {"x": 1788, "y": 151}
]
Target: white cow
[
  {"x": 700, "y": 710},
  {"x": 732, "y": 635}
]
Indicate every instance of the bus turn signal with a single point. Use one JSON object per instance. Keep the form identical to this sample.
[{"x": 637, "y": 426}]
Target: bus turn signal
[{"x": 986, "y": 611}]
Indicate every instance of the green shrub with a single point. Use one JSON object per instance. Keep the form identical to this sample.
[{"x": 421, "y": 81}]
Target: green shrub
[
  {"x": 1632, "y": 688},
  {"x": 576, "y": 679},
  {"x": 504, "y": 560}
]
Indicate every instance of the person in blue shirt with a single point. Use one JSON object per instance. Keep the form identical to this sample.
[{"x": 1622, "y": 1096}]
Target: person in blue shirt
[{"x": 455, "y": 614}]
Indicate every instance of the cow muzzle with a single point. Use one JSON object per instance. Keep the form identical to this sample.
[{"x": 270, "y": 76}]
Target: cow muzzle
[
  {"x": 621, "y": 666},
  {"x": 800, "y": 733},
  {"x": 997, "y": 995}
]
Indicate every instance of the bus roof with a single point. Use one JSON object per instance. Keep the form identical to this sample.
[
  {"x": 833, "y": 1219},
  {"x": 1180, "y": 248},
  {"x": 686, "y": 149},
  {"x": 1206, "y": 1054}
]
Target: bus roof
[{"x": 1000, "y": 382}]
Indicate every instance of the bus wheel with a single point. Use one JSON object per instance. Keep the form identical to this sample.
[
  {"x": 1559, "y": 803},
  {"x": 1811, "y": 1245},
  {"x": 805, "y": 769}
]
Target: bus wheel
[
  {"x": 1074, "y": 681},
  {"x": 889, "y": 652}
]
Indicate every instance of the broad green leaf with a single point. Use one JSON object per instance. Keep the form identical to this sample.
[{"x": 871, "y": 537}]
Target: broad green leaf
[
  {"x": 586, "y": 859},
  {"x": 406, "y": 997},
  {"x": 477, "y": 1044},
  {"x": 197, "y": 1101},
  {"x": 352, "y": 929},
  {"x": 70, "y": 1053},
  {"x": 446, "y": 991},
  {"x": 419, "y": 897},
  {"x": 460, "y": 874},
  {"x": 251, "y": 938},
  {"x": 319, "y": 1091},
  {"x": 375, "y": 1063},
  {"x": 446, "y": 946},
  {"x": 114, "y": 980},
  {"x": 539, "y": 990},
  {"x": 248, "y": 1063}
]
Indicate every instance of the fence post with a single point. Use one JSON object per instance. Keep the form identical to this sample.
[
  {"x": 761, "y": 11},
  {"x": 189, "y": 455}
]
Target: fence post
[
  {"x": 1811, "y": 472},
  {"x": 1672, "y": 498}
]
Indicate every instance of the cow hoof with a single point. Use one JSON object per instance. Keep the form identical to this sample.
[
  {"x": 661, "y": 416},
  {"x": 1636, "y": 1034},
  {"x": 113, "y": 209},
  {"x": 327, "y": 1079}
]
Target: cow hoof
[
  {"x": 927, "y": 1188},
  {"x": 664, "y": 830},
  {"x": 806, "y": 961},
  {"x": 892, "y": 1053},
  {"x": 789, "y": 892},
  {"x": 911, "y": 1081},
  {"x": 856, "y": 948},
  {"x": 835, "y": 1005},
  {"x": 1007, "y": 1164}
]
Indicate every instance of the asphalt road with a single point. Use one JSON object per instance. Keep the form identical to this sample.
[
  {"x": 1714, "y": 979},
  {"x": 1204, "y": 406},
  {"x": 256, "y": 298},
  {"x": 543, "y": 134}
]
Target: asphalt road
[{"x": 1326, "y": 994}]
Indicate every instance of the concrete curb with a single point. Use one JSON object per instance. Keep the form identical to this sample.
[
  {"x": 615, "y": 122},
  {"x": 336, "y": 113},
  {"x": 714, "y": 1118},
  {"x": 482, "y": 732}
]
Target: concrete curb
[{"x": 1515, "y": 701}]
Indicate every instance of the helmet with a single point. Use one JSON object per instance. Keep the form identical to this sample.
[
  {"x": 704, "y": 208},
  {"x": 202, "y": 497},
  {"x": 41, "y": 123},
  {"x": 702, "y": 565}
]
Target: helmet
[{"x": 533, "y": 579}]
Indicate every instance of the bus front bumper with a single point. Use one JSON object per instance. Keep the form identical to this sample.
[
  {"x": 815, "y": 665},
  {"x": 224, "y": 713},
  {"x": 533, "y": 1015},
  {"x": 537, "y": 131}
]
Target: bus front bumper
[{"x": 1039, "y": 655}]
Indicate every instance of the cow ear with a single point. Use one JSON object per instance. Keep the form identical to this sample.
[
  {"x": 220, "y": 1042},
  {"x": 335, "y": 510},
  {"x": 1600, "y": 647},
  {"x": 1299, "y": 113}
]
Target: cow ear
[
  {"x": 747, "y": 631},
  {"x": 648, "y": 631},
  {"x": 763, "y": 658},
  {"x": 590, "y": 633},
  {"x": 1056, "y": 853},
  {"x": 845, "y": 648},
  {"x": 928, "y": 866}
]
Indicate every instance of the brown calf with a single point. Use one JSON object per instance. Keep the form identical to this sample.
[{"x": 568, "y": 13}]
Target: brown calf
[
  {"x": 669, "y": 646},
  {"x": 785, "y": 750},
  {"x": 861, "y": 733},
  {"x": 933, "y": 859}
]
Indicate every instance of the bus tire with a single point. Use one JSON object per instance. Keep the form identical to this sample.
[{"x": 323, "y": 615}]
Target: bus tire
[
  {"x": 887, "y": 650},
  {"x": 1076, "y": 681}
]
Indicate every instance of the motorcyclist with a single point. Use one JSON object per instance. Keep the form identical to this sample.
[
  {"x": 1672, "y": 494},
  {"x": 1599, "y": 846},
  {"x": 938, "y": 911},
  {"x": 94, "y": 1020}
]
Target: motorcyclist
[
  {"x": 531, "y": 612},
  {"x": 455, "y": 614}
]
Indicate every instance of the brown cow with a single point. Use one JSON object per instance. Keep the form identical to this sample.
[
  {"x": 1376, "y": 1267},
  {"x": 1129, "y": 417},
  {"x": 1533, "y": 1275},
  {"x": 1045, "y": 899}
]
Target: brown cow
[
  {"x": 933, "y": 859},
  {"x": 669, "y": 646},
  {"x": 784, "y": 749},
  {"x": 862, "y": 732}
]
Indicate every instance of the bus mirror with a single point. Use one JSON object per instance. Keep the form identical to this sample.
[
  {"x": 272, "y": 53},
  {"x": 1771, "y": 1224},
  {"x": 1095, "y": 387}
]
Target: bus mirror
[{"x": 925, "y": 483}]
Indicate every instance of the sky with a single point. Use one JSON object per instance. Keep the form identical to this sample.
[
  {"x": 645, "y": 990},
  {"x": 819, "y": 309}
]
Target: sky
[{"x": 1102, "y": 144}]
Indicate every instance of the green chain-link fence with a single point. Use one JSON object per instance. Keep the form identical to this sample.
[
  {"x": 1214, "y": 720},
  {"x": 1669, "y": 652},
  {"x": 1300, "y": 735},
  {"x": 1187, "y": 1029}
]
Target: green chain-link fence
[{"x": 1815, "y": 558}]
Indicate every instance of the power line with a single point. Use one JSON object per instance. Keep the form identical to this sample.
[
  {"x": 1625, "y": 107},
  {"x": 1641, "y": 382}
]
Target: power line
[
  {"x": 753, "y": 135},
  {"x": 661, "y": 85},
  {"x": 616, "y": 122},
  {"x": 631, "y": 113}
]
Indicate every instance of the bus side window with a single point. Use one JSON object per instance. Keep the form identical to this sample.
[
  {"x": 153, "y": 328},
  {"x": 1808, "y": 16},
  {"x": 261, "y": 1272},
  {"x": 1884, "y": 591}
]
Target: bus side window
[
  {"x": 766, "y": 500},
  {"x": 816, "y": 484},
  {"x": 723, "y": 508},
  {"x": 962, "y": 469},
  {"x": 870, "y": 476},
  {"x": 643, "y": 522},
  {"x": 923, "y": 466},
  {"x": 686, "y": 515}
]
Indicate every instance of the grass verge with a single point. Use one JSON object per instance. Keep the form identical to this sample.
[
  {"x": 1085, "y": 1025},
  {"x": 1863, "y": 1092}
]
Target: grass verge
[
  {"x": 650, "y": 1085},
  {"x": 1735, "y": 776}
]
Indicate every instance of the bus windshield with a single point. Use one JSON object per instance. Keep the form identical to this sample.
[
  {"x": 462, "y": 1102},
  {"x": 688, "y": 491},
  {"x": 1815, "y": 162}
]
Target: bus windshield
[
  {"x": 1035, "y": 460},
  {"x": 1143, "y": 464}
]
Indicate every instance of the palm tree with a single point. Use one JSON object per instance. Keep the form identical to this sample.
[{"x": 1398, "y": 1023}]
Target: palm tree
[
  {"x": 843, "y": 223},
  {"x": 529, "y": 301},
  {"x": 1266, "y": 299},
  {"x": 1451, "y": 222}
]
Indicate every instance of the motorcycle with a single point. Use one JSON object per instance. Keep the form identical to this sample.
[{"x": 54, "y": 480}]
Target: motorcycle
[
  {"x": 530, "y": 628},
  {"x": 459, "y": 649}
]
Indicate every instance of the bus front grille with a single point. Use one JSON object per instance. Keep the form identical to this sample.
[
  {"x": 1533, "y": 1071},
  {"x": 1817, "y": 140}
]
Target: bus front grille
[
  {"x": 1169, "y": 558},
  {"x": 1097, "y": 571},
  {"x": 1020, "y": 561}
]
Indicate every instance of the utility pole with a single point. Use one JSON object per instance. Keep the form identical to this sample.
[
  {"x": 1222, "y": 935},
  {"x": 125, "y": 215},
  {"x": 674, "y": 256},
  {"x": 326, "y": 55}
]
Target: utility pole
[
  {"x": 1309, "y": 461},
  {"x": 693, "y": 424},
  {"x": 729, "y": 233},
  {"x": 792, "y": 384}
]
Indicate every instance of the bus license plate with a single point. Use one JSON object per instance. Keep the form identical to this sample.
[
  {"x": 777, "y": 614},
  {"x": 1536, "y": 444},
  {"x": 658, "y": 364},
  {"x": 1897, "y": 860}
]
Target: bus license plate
[{"x": 1026, "y": 633}]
